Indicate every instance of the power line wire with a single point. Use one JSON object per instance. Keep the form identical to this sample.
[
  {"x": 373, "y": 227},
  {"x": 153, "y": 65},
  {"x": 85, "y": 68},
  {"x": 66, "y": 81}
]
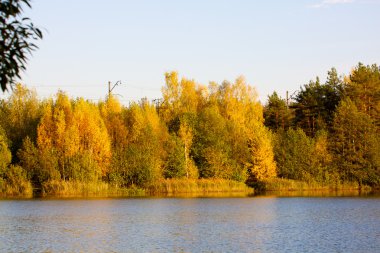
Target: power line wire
[{"x": 88, "y": 85}]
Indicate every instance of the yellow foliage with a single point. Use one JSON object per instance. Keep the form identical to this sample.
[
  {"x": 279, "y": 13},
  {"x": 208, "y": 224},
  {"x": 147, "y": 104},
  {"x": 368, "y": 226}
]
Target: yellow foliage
[
  {"x": 180, "y": 97},
  {"x": 136, "y": 121},
  {"x": 23, "y": 105},
  {"x": 74, "y": 130},
  {"x": 262, "y": 163},
  {"x": 111, "y": 112},
  {"x": 186, "y": 135},
  {"x": 239, "y": 103},
  {"x": 45, "y": 128},
  {"x": 63, "y": 103},
  {"x": 171, "y": 96},
  {"x": 189, "y": 96},
  {"x": 92, "y": 133},
  {"x": 321, "y": 149},
  {"x": 217, "y": 161},
  {"x": 113, "y": 105}
]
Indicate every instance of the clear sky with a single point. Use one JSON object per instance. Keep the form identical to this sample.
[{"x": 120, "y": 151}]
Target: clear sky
[{"x": 277, "y": 45}]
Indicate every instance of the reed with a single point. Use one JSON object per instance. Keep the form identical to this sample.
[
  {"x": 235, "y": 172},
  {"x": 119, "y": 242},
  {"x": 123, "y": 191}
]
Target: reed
[
  {"x": 23, "y": 188},
  {"x": 199, "y": 186},
  {"x": 87, "y": 189},
  {"x": 167, "y": 187},
  {"x": 281, "y": 184}
]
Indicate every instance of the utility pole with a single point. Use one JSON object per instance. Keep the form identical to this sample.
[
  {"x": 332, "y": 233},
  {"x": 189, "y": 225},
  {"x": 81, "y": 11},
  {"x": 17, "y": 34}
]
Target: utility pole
[
  {"x": 110, "y": 89},
  {"x": 287, "y": 99}
]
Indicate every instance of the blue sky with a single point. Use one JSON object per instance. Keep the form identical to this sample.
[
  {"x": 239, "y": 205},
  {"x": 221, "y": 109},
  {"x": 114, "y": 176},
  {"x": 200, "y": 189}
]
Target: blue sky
[{"x": 277, "y": 45}]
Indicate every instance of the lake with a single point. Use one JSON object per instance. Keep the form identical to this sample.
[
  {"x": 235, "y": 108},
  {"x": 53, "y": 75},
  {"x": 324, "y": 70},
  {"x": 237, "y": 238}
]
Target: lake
[{"x": 251, "y": 224}]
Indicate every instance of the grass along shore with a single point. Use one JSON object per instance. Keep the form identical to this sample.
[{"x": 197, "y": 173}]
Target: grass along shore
[
  {"x": 197, "y": 186},
  {"x": 289, "y": 185},
  {"x": 87, "y": 189},
  {"x": 164, "y": 187},
  {"x": 173, "y": 187},
  {"x": 20, "y": 188}
]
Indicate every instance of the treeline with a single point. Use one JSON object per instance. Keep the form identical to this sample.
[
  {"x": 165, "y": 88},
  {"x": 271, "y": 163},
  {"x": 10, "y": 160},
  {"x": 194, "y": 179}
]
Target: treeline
[
  {"x": 326, "y": 133},
  {"x": 329, "y": 132}
]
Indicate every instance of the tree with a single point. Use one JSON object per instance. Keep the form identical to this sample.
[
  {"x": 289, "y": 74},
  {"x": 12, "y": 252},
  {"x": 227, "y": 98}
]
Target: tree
[
  {"x": 171, "y": 94},
  {"x": 261, "y": 163},
  {"x": 185, "y": 133},
  {"x": 211, "y": 150},
  {"x": 74, "y": 133},
  {"x": 89, "y": 132},
  {"x": 5, "y": 154},
  {"x": 231, "y": 139},
  {"x": 293, "y": 152},
  {"x": 316, "y": 103},
  {"x": 141, "y": 161},
  {"x": 17, "y": 36},
  {"x": 363, "y": 88},
  {"x": 112, "y": 114},
  {"x": 40, "y": 164},
  {"x": 276, "y": 113},
  {"x": 180, "y": 97},
  {"x": 175, "y": 166},
  {"x": 20, "y": 115},
  {"x": 322, "y": 168},
  {"x": 355, "y": 145}
]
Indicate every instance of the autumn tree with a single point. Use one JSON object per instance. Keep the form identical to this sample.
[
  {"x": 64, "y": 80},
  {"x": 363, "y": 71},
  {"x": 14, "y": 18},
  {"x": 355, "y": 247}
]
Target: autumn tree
[
  {"x": 261, "y": 162},
  {"x": 141, "y": 162},
  {"x": 228, "y": 143},
  {"x": 180, "y": 97},
  {"x": 5, "y": 154},
  {"x": 113, "y": 115},
  {"x": 41, "y": 165},
  {"x": 219, "y": 131},
  {"x": 247, "y": 120},
  {"x": 171, "y": 94},
  {"x": 92, "y": 136},
  {"x": 211, "y": 151},
  {"x": 74, "y": 133},
  {"x": 20, "y": 115},
  {"x": 185, "y": 133},
  {"x": 175, "y": 164}
]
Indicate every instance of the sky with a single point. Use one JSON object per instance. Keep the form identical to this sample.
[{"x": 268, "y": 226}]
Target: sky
[{"x": 277, "y": 45}]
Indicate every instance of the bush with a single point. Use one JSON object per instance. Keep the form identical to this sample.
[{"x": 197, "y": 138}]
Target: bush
[{"x": 15, "y": 182}]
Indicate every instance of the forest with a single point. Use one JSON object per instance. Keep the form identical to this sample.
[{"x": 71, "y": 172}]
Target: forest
[{"x": 324, "y": 134}]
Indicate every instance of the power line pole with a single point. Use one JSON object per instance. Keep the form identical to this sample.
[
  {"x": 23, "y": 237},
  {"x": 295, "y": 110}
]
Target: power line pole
[
  {"x": 287, "y": 99},
  {"x": 110, "y": 89}
]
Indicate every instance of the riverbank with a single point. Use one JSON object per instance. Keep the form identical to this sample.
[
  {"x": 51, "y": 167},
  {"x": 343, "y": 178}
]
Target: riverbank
[
  {"x": 164, "y": 187},
  {"x": 183, "y": 188},
  {"x": 196, "y": 186},
  {"x": 20, "y": 188},
  {"x": 289, "y": 185}
]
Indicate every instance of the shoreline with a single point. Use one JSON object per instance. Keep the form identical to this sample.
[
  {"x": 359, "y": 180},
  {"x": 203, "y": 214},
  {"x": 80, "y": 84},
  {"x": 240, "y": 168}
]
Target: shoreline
[{"x": 183, "y": 188}]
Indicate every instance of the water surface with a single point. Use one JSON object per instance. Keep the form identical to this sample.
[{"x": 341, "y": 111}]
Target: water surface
[{"x": 259, "y": 224}]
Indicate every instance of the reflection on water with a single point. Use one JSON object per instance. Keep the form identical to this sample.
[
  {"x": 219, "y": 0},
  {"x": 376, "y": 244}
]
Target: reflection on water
[
  {"x": 263, "y": 224},
  {"x": 321, "y": 193}
]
